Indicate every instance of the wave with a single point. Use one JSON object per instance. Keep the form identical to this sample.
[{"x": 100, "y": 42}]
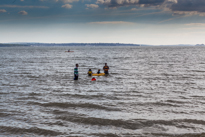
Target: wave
[
  {"x": 34, "y": 130},
  {"x": 74, "y": 105}
]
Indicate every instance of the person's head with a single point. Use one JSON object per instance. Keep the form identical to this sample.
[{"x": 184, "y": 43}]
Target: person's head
[
  {"x": 98, "y": 69},
  {"x": 105, "y": 64},
  {"x": 76, "y": 65},
  {"x": 89, "y": 69}
]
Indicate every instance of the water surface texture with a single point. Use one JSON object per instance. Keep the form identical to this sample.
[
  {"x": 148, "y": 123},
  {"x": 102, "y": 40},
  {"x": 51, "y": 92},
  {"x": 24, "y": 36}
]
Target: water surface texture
[{"x": 150, "y": 92}]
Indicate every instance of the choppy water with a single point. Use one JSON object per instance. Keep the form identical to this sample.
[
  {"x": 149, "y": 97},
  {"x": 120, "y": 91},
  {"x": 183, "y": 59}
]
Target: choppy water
[{"x": 151, "y": 91}]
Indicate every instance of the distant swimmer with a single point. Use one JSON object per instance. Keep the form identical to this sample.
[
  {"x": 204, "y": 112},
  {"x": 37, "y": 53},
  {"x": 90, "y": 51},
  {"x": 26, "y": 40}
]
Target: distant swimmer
[
  {"x": 76, "y": 72},
  {"x": 69, "y": 50},
  {"x": 106, "y": 68},
  {"x": 90, "y": 72}
]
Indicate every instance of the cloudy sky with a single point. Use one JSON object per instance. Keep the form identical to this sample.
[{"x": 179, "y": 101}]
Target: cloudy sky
[{"x": 109, "y": 21}]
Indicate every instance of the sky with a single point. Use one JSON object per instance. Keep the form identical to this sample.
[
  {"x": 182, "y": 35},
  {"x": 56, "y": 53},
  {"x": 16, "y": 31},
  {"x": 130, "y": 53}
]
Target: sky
[{"x": 154, "y": 22}]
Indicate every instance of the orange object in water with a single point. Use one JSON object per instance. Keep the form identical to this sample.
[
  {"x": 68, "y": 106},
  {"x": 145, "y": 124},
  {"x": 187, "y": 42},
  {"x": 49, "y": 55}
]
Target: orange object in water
[{"x": 93, "y": 79}]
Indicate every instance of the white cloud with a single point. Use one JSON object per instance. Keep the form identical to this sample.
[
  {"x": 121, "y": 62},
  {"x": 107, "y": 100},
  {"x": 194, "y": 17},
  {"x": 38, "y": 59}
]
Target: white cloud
[
  {"x": 106, "y": 2},
  {"x": 23, "y": 12},
  {"x": 93, "y": 6},
  {"x": 2, "y": 10},
  {"x": 173, "y": 1},
  {"x": 68, "y": 6}
]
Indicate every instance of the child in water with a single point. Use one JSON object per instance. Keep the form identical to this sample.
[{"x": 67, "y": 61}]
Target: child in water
[
  {"x": 98, "y": 71},
  {"x": 90, "y": 72}
]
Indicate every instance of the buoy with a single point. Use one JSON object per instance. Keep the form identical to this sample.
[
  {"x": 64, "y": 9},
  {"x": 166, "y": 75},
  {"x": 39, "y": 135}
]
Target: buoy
[{"x": 93, "y": 79}]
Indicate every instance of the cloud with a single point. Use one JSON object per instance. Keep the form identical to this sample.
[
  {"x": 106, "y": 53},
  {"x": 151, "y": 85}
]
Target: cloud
[
  {"x": 93, "y": 6},
  {"x": 67, "y": 6},
  {"x": 17, "y": 6},
  {"x": 67, "y": 1},
  {"x": 195, "y": 24},
  {"x": 151, "y": 2},
  {"x": 112, "y": 22},
  {"x": 23, "y": 12},
  {"x": 177, "y": 7},
  {"x": 2, "y": 10},
  {"x": 117, "y": 3},
  {"x": 188, "y": 7},
  {"x": 139, "y": 3}
]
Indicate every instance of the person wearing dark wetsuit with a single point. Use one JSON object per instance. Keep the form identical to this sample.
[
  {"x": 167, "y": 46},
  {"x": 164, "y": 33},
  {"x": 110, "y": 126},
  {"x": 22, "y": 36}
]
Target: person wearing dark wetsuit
[
  {"x": 106, "y": 68},
  {"x": 76, "y": 72}
]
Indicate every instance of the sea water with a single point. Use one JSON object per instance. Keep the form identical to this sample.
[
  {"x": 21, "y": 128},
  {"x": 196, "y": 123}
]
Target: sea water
[{"x": 151, "y": 91}]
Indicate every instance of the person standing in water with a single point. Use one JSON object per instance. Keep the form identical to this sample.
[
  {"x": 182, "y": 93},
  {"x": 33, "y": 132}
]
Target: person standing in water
[
  {"x": 90, "y": 72},
  {"x": 106, "y": 68},
  {"x": 76, "y": 72}
]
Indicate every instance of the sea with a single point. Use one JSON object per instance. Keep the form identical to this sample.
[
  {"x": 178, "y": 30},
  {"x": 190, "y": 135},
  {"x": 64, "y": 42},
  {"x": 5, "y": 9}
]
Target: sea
[{"x": 151, "y": 91}]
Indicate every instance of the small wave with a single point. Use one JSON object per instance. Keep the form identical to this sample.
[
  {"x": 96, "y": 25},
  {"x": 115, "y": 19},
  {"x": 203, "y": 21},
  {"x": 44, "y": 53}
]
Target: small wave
[
  {"x": 105, "y": 135},
  {"x": 27, "y": 98},
  {"x": 34, "y": 130},
  {"x": 198, "y": 71},
  {"x": 177, "y": 101},
  {"x": 102, "y": 122},
  {"x": 4, "y": 114},
  {"x": 101, "y": 97},
  {"x": 3, "y": 93},
  {"x": 73, "y": 105},
  {"x": 158, "y": 104},
  {"x": 34, "y": 94},
  {"x": 177, "y": 135}
]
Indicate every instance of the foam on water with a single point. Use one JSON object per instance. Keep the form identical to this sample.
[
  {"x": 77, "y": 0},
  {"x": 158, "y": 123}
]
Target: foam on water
[{"x": 151, "y": 91}]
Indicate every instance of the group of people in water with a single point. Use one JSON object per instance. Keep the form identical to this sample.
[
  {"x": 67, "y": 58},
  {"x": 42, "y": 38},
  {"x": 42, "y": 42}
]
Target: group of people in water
[{"x": 105, "y": 68}]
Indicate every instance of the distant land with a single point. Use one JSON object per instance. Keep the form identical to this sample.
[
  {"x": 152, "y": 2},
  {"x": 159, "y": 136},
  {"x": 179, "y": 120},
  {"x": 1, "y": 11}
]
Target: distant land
[
  {"x": 199, "y": 45},
  {"x": 17, "y": 44},
  {"x": 65, "y": 44}
]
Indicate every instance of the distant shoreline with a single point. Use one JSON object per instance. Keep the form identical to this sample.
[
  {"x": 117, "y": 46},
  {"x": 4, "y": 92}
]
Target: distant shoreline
[
  {"x": 83, "y": 44},
  {"x": 65, "y": 44}
]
